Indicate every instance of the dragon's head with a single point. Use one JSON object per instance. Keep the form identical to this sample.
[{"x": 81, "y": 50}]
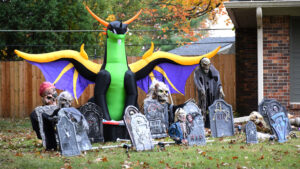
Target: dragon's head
[{"x": 115, "y": 27}]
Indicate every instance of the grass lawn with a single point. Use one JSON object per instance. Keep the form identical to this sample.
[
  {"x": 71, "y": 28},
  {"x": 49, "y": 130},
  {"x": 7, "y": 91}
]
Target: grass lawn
[{"x": 19, "y": 148}]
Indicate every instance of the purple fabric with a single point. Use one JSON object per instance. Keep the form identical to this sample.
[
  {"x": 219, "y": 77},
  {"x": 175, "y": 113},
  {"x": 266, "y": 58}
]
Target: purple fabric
[
  {"x": 177, "y": 74},
  {"x": 51, "y": 70}
]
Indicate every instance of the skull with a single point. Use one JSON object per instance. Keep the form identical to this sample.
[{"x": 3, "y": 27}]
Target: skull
[
  {"x": 205, "y": 64},
  {"x": 49, "y": 96},
  {"x": 64, "y": 99},
  {"x": 180, "y": 115},
  {"x": 159, "y": 91}
]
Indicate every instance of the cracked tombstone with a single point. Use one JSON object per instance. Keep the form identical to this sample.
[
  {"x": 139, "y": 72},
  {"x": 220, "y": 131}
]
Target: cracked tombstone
[
  {"x": 81, "y": 127},
  {"x": 157, "y": 115},
  {"x": 138, "y": 129},
  {"x": 94, "y": 116},
  {"x": 251, "y": 133},
  {"x": 39, "y": 111},
  {"x": 221, "y": 119},
  {"x": 195, "y": 124},
  {"x": 67, "y": 137},
  {"x": 276, "y": 117}
]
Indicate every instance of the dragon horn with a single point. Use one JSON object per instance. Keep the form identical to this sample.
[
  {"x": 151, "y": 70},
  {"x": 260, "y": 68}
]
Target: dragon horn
[
  {"x": 133, "y": 18},
  {"x": 97, "y": 18}
]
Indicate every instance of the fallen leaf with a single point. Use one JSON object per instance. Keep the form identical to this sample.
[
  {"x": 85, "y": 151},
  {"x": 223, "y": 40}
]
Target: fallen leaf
[
  {"x": 261, "y": 157},
  {"x": 210, "y": 158},
  {"x": 104, "y": 159},
  {"x": 224, "y": 164},
  {"x": 242, "y": 147},
  {"x": 203, "y": 153},
  {"x": 235, "y": 157},
  {"x": 286, "y": 153},
  {"x": 19, "y": 154},
  {"x": 161, "y": 162}
]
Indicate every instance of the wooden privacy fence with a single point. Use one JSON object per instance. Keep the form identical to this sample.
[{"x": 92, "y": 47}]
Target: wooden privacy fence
[{"x": 20, "y": 81}]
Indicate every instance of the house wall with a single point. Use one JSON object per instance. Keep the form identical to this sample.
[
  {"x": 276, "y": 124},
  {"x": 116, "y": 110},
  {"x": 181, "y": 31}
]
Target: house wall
[
  {"x": 246, "y": 71},
  {"x": 276, "y": 37}
]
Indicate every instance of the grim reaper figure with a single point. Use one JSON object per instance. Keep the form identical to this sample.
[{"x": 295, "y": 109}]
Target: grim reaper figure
[{"x": 209, "y": 87}]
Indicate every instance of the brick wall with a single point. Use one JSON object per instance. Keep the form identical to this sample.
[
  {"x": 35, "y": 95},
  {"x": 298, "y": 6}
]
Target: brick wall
[
  {"x": 276, "y": 59},
  {"x": 246, "y": 71}
]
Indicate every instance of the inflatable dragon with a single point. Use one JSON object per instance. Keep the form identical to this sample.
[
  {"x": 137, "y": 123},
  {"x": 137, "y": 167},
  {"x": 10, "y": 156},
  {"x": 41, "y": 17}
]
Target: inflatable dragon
[{"x": 115, "y": 81}]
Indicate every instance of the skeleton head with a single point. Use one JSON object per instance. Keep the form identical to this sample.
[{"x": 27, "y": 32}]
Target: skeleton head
[
  {"x": 159, "y": 91},
  {"x": 64, "y": 99},
  {"x": 205, "y": 64},
  {"x": 180, "y": 115},
  {"x": 48, "y": 93}
]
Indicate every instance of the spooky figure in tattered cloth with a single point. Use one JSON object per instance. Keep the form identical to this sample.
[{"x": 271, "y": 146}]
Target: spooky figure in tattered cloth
[
  {"x": 178, "y": 131},
  {"x": 209, "y": 87}
]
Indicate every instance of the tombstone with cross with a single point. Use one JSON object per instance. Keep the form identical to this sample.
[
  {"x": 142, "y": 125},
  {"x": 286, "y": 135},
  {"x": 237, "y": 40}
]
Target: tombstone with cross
[{"x": 221, "y": 119}]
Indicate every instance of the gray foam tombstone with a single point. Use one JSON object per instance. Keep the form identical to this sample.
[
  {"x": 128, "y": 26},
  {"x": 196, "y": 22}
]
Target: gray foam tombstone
[
  {"x": 81, "y": 127},
  {"x": 157, "y": 115},
  {"x": 67, "y": 137},
  {"x": 43, "y": 109},
  {"x": 221, "y": 119},
  {"x": 195, "y": 124},
  {"x": 251, "y": 133},
  {"x": 94, "y": 116},
  {"x": 138, "y": 129},
  {"x": 276, "y": 117}
]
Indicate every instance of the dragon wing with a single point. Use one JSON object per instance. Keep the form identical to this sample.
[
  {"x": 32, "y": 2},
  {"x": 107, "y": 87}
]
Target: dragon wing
[
  {"x": 173, "y": 69},
  {"x": 67, "y": 69}
]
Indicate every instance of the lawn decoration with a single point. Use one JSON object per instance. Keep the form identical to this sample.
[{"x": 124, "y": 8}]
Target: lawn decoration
[
  {"x": 94, "y": 116},
  {"x": 71, "y": 70},
  {"x": 195, "y": 124},
  {"x": 221, "y": 119},
  {"x": 138, "y": 129},
  {"x": 276, "y": 116},
  {"x": 208, "y": 83}
]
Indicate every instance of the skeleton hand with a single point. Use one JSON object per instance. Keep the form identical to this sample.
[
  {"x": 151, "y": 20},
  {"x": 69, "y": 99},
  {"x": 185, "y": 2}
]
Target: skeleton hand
[{"x": 222, "y": 95}]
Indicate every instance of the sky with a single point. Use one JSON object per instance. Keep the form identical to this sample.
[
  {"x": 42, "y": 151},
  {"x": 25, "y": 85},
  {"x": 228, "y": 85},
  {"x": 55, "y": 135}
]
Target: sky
[{"x": 221, "y": 24}]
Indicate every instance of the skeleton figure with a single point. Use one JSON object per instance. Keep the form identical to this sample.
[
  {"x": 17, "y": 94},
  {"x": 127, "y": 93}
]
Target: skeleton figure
[
  {"x": 64, "y": 100},
  {"x": 178, "y": 131},
  {"x": 159, "y": 91},
  {"x": 209, "y": 87},
  {"x": 48, "y": 95}
]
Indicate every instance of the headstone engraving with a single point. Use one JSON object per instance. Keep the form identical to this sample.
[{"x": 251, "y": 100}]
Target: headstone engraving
[
  {"x": 81, "y": 127},
  {"x": 195, "y": 124},
  {"x": 138, "y": 129},
  {"x": 67, "y": 137},
  {"x": 251, "y": 133},
  {"x": 276, "y": 117},
  {"x": 94, "y": 116},
  {"x": 157, "y": 115},
  {"x": 39, "y": 111},
  {"x": 221, "y": 119}
]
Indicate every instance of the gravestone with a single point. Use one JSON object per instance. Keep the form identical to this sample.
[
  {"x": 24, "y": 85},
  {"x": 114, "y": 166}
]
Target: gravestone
[
  {"x": 81, "y": 127},
  {"x": 39, "y": 111},
  {"x": 94, "y": 116},
  {"x": 157, "y": 115},
  {"x": 221, "y": 119},
  {"x": 276, "y": 117},
  {"x": 67, "y": 137},
  {"x": 195, "y": 124},
  {"x": 251, "y": 133},
  {"x": 138, "y": 129}
]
